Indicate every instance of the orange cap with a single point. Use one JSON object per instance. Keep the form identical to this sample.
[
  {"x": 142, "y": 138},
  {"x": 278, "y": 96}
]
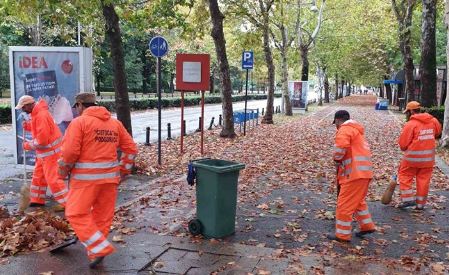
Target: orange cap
[
  {"x": 412, "y": 105},
  {"x": 24, "y": 100}
]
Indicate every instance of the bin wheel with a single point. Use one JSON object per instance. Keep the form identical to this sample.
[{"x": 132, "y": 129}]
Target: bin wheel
[{"x": 195, "y": 227}]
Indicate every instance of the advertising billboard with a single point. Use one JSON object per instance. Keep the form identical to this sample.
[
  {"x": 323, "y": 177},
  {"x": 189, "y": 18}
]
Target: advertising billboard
[
  {"x": 298, "y": 93},
  {"x": 53, "y": 74}
]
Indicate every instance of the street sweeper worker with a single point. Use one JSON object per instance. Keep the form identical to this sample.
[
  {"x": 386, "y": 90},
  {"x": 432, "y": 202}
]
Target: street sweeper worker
[
  {"x": 47, "y": 141},
  {"x": 353, "y": 157},
  {"x": 417, "y": 141},
  {"x": 90, "y": 161}
]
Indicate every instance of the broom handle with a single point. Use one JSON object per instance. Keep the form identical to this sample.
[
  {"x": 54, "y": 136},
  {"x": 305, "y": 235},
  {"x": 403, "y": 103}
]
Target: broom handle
[{"x": 24, "y": 158}]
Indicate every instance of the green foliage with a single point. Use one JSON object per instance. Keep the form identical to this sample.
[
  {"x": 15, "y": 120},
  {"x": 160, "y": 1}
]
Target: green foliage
[
  {"x": 437, "y": 112},
  {"x": 5, "y": 114}
]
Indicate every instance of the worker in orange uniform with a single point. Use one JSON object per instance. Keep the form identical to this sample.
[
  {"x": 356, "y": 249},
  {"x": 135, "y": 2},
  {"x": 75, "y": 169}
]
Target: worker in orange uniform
[
  {"x": 352, "y": 155},
  {"x": 417, "y": 140},
  {"x": 90, "y": 161},
  {"x": 47, "y": 141}
]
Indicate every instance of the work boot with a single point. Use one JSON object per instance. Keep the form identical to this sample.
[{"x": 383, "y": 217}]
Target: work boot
[
  {"x": 332, "y": 237},
  {"x": 58, "y": 208},
  {"x": 35, "y": 204},
  {"x": 361, "y": 234},
  {"x": 93, "y": 264},
  {"x": 406, "y": 204},
  {"x": 419, "y": 208}
]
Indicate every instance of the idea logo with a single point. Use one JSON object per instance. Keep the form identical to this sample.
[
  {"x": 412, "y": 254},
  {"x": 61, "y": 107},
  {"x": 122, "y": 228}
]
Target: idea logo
[
  {"x": 34, "y": 62},
  {"x": 67, "y": 66}
]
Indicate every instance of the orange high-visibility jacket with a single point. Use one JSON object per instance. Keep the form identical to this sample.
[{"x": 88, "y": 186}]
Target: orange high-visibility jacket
[
  {"x": 47, "y": 137},
  {"x": 352, "y": 152},
  {"x": 89, "y": 151},
  {"x": 417, "y": 140}
]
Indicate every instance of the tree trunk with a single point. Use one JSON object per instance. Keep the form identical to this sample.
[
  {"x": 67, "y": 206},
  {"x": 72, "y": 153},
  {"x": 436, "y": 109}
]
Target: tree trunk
[
  {"x": 388, "y": 92},
  {"x": 118, "y": 65},
  {"x": 145, "y": 71},
  {"x": 305, "y": 63},
  {"x": 445, "y": 134},
  {"x": 223, "y": 65},
  {"x": 428, "y": 65},
  {"x": 326, "y": 87},
  {"x": 336, "y": 87},
  {"x": 342, "y": 94},
  {"x": 285, "y": 93},
  {"x": 268, "y": 118}
]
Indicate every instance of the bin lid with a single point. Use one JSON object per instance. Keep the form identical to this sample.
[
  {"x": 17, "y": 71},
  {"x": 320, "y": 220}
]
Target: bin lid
[{"x": 218, "y": 165}]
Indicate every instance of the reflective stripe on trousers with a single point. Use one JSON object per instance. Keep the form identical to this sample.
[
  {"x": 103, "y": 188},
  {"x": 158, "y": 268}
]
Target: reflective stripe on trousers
[
  {"x": 423, "y": 152},
  {"x": 96, "y": 165},
  {"x": 99, "y": 176}
]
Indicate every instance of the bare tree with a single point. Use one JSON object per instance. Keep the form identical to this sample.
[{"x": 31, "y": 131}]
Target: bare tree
[
  {"x": 403, "y": 10},
  {"x": 118, "y": 65},
  {"x": 220, "y": 48},
  {"x": 306, "y": 40}
]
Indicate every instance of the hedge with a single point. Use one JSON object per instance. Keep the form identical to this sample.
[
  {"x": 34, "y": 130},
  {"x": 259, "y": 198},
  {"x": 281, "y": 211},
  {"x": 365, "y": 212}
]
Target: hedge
[
  {"x": 151, "y": 103},
  {"x": 5, "y": 114},
  {"x": 437, "y": 112},
  {"x": 148, "y": 103}
]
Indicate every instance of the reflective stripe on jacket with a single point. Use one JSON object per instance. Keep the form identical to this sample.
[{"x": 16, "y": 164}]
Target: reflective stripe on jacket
[
  {"x": 89, "y": 152},
  {"x": 352, "y": 152},
  {"x": 417, "y": 140},
  {"x": 47, "y": 137}
]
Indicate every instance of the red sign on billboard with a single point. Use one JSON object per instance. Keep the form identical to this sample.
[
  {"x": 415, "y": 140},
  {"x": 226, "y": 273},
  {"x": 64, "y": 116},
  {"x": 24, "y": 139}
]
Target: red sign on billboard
[{"x": 192, "y": 72}]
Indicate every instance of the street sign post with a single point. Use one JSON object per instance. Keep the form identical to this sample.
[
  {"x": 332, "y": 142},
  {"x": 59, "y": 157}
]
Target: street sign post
[
  {"x": 158, "y": 48},
  {"x": 247, "y": 64}
]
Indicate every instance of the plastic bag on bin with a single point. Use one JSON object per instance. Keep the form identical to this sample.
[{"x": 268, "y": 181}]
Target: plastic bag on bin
[{"x": 191, "y": 174}]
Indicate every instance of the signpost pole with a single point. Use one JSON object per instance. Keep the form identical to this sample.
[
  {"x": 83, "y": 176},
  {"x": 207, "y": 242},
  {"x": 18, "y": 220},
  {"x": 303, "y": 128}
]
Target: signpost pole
[
  {"x": 202, "y": 122},
  {"x": 246, "y": 103},
  {"x": 182, "y": 122},
  {"x": 159, "y": 107}
]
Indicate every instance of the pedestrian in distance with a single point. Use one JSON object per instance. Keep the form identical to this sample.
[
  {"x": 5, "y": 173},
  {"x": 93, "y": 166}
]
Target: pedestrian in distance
[
  {"x": 90, "y": 161},
  {"x": 352, "y": 155},
  {"x": 47, "y": 141},
  {"x": 417, "y": 141}
]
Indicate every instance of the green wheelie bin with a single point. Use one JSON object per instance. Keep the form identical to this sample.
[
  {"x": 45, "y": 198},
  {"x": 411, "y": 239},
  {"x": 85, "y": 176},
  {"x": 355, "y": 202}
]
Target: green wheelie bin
[{"x": 216, "y": 197}]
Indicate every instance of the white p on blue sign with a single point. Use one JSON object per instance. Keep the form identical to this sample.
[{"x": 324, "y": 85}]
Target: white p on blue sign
[
  {"x": 247, "y": 60},
  {"x": 158, "y": 46}
]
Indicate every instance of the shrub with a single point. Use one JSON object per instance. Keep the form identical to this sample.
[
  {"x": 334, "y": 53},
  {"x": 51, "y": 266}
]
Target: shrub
[
  {"x": 437, "y": 112},
  {"x": 5, "y": 114}
]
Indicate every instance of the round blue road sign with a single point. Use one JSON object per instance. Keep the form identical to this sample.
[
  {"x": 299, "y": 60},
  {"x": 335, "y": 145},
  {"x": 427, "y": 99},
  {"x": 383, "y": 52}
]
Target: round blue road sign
[{"x": 158, "y": 46}]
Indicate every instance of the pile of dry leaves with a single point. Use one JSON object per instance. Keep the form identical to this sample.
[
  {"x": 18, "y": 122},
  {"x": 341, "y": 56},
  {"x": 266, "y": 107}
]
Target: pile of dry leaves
[{"x": 32, "y": 232}]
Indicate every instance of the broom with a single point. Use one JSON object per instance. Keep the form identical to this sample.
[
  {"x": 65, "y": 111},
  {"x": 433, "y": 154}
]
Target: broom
[
  {"x": 24, "y": 201},
  {"x": 388, "y": 194}
]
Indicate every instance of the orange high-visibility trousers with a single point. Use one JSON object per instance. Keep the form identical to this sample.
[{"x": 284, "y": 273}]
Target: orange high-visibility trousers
[
  {"x": 406, "y": 176},
  {"x": 46, "y": 174},
  {"x": 90, "y": 211},
  {"x": 351, "y": 200}
]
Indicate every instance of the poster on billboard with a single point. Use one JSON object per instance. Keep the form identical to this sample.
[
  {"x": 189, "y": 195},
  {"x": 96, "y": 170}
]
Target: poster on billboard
[
  {"x": 298, "y": 93},
  {"x": 53, "y": 74}
]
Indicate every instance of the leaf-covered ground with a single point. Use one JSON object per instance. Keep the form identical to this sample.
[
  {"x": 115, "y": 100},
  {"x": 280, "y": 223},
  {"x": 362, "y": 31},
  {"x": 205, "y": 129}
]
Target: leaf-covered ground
[{"x": 284, "y": 200}]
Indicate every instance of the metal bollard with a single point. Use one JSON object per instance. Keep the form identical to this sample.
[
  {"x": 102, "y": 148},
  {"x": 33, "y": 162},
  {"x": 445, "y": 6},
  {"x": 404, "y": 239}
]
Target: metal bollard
[
  {"x": 147, "y": 137},
  {"x": 184, "y": 126},
  {"x": 199, "y": 125},
  {"x": 168, "y": 131},
  {"x": 211, "y": 123},
  {"x": 220, "y": 120},
  {"x": 263, "y": 111}
]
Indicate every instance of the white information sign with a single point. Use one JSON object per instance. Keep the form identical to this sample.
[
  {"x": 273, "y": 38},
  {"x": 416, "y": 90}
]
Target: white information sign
[{"x": 191, "y": 72}]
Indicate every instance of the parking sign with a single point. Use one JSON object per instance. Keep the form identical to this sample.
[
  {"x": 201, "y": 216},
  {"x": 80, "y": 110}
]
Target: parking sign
[{"x": 247, "y": 60}]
